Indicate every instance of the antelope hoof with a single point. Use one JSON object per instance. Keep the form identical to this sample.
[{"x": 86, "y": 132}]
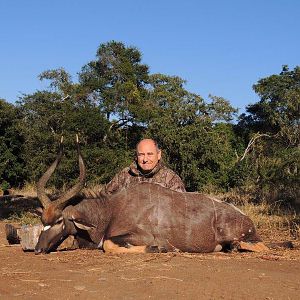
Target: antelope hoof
[{"x": 156, "y": 249}]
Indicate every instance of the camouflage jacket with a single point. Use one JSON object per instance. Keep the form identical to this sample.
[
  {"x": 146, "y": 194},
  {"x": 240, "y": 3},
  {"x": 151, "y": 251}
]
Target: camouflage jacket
[{"x": 130, "y": 175}]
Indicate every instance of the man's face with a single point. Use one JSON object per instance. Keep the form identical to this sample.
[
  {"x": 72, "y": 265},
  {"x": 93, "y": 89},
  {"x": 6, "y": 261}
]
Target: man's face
[{"x": 147, "y": 155}]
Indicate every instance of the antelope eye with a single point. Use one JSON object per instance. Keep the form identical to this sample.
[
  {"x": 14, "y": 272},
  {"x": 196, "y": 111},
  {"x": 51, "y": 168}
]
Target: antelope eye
[{"x": 59, "y": 221}]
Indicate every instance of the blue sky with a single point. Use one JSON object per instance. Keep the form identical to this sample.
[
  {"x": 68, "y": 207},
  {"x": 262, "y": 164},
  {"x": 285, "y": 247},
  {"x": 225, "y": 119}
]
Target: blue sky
[{"x": 220, "y": 47}]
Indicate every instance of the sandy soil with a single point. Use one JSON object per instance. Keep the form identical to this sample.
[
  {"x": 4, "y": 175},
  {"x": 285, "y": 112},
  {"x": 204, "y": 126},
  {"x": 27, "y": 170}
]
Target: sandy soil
[{"x": 91, "y": 274}]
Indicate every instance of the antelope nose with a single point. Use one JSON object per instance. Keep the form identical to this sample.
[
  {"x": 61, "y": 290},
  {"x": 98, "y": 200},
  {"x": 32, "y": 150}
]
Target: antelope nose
[{"x": 38, "y": 251}]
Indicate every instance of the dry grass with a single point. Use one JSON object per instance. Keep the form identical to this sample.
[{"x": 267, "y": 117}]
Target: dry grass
[
  {"x": 22, "y": 209},
  {"x": 29, "y": 190},
  {"x": 18, "y": 209},
  {"x": 94, "y": 189},
  {"x": 273, "y": 222},
  {"x": 24, "y": 218}
]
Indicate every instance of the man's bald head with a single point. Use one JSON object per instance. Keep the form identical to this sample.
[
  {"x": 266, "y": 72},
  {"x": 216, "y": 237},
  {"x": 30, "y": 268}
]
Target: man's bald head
[
  {"x": 148, "y": 154},
  {"x": 147, "y": 142}
]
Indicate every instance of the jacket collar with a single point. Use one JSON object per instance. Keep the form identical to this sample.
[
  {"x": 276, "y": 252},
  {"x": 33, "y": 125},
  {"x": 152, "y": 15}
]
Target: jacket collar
[{"x": 135, "y": 170}]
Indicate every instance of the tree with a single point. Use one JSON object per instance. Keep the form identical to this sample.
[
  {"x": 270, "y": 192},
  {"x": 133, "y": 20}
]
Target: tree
[
  {"x": 117, "y": 78},
  {"x": 117, "y": 102},
  {"x": 117, "y": 81},
  {"x": 191, "y": 132},
  {"x": 11, "y": 164},
  {"x": 278, "y": 111},
  {"x": 46, "y": 115},
  {"x": 275, "y": 157}
]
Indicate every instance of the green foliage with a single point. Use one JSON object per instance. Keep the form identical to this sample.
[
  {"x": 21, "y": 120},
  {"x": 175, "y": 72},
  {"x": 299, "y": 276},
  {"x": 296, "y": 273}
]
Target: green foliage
[
  {"x": 11, "y": 163},
  {"x": 117, "y": 79},
  {"x": 60, "y": 80},
  {"x": 4, "y": 185},
  {"x": 196, "y": 144},
  {"x": 45, "y": 117},
  {"x": 275, "y": 158},
  {"x": 278, "y": 111}
]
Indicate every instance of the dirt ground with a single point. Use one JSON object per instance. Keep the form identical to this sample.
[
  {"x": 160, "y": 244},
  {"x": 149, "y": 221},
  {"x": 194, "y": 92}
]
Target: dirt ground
[{"x": 91, "y": 274}]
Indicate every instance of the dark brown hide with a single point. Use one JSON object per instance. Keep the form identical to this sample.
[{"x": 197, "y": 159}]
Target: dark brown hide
[{"x": 148, "y": 214}]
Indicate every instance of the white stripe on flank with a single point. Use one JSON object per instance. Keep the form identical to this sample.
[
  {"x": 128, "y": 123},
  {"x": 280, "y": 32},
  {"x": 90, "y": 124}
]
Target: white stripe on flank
[
  {"x": 100, "y": 245},
  {"x": 233, "y": 206}
]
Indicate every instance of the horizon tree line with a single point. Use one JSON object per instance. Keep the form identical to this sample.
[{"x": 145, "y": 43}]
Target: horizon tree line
[{"x": 116, "y": 102}]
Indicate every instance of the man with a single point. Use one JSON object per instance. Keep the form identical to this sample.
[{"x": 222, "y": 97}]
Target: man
[{"x": 147, "y": 167}]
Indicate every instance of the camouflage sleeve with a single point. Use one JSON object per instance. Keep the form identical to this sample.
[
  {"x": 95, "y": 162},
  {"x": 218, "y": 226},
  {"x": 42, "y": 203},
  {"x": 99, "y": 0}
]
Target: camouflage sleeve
[
  {"x": 116, "y": 184},
  {"x": 173, "y": 181},
  {"x": 176, "y": 184}
]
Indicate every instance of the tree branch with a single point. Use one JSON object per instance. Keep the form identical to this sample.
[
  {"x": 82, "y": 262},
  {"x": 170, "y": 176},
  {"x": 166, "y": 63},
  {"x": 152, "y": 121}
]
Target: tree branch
[{"x": 251, "y": 143}]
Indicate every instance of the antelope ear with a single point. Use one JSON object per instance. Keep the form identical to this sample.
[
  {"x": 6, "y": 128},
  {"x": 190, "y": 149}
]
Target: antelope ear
[{"x": 82, "y": 224}]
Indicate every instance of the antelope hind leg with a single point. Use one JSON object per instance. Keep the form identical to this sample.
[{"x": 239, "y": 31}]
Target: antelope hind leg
[
  {"x": 111, "y": 247},
  {"x": 254, "y": 247}
]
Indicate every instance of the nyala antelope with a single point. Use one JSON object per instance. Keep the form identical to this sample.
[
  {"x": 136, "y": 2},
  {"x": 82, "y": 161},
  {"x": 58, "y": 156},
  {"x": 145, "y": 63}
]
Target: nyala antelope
[{"x": 142, "y": 218}]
